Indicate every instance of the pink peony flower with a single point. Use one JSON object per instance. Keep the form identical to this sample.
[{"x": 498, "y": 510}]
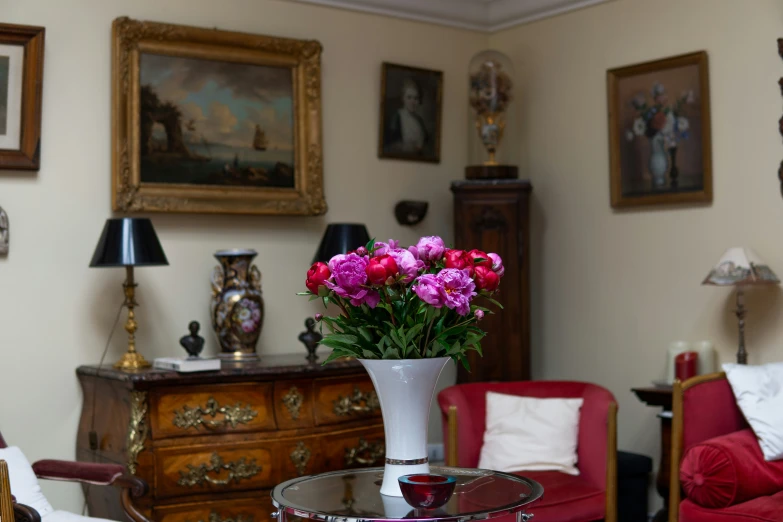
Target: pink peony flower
[
  {"x": 407, "y": 264},
  {"x": 348, "y": 272},
  {"x": 430, "y": 249},
  {"x": 429, "y": 288},
  {"x": 458, "y": 289},
  {"x": 479, "y": 315},
  {"x": 497, "y": 264},
  {"x": 382, "y": 248}
]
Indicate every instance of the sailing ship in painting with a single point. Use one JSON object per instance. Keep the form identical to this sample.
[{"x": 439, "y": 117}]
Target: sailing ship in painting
[{"x": 208, "y": 141}]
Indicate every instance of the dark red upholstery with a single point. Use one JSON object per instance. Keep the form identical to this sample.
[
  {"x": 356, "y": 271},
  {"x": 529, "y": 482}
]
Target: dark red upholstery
[
  {"x": 761, "y": 509},
  {"x": 729, "y": 470},
  {"x": 88, "y": 472},
  {"x": 566, "y": 498},
  {"x": 709, "y": 412}
]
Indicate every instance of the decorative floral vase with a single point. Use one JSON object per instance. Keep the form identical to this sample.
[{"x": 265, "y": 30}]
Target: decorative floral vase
[
  {"x": 237, "y": 304},
  {"x": 405, "y": 388},
  {"x": 659, "y": 160}
]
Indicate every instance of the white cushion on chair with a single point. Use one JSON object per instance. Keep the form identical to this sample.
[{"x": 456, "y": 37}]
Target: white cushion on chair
[
  {"x": 759, "y": 394},
  {"x": 527, "y": 433},
  {"x": 24, "y": 483},
  {"x": 67, "y": 516}
]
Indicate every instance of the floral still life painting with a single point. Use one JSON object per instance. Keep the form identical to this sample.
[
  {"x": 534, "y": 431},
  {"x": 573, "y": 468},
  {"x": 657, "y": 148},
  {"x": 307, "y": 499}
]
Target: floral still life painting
[{"x": 660, "y": 132}]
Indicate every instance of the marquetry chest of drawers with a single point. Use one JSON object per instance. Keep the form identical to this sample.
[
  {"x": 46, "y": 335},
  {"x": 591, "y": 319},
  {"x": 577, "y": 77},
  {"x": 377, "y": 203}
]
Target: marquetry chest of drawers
[{"x": 211, "y": 445}]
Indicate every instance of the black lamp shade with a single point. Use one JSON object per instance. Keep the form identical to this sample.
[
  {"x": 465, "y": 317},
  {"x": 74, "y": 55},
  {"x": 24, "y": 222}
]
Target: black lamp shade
[
  {"x": 128, "y": 242},
  {"x": 340, "y": 238}
]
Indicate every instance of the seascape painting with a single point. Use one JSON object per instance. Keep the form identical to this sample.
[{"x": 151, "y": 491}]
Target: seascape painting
[
  {"x": 4, "y": 69},
  {"x": 216, "y": 123}
]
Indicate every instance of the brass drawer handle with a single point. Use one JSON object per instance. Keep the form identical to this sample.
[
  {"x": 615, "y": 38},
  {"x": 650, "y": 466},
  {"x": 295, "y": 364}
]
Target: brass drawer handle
[
  {"x": 300, "y": 456},
  {"x": 293, "y": 401},
  {"x": 194, "y": 417},
  {"x": 353, "y": 403},
  {"x": 237, "y": 471},
  {"x": 365, "y": 453}
]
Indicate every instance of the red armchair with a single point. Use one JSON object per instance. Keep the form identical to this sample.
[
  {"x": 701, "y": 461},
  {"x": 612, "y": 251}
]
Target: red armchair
[
  {"x": 592, "y": 495},
  {"x": 724, "y": 465},
  {"x": 88, "y": 473}
]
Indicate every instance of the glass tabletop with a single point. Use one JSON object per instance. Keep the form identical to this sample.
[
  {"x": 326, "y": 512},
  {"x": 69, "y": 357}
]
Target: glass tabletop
[{"x": 354, "y": 496}]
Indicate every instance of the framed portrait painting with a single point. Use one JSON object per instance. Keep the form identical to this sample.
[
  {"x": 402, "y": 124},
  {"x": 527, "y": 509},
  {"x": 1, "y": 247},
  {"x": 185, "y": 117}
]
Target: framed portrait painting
[
  {"x": 215, "y": 121},
  {"x": 659, "y": 132},
  {"x": 21, "y": 81},
  {"x": 411, "y": 100}
]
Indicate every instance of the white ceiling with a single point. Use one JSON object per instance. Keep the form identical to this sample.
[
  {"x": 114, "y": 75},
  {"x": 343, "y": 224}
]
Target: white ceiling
[{"x": 479, "y": 15}]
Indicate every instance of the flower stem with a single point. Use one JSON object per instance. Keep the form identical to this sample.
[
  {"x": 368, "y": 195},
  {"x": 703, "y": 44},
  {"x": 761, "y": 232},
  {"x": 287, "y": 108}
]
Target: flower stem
[
  {"x": 427, "y": 339},
  {"x": 391, "y": 310}
]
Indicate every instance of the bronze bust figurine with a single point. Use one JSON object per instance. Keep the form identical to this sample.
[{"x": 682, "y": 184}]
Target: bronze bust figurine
[
  {"x": 310, "y": 338},
  {"x": 193, "y": 343}
]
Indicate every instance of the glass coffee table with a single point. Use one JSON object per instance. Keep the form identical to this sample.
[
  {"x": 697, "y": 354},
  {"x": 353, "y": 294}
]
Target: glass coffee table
[{"x": 354, "y": 496}]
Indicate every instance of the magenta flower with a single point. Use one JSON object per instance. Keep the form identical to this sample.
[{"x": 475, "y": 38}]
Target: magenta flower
[
  {"x": 497, "y": 264},
  {"x": 429, "y": 288},
  {"x": 407, "y": 264},
  {"x": 430, "y": 249},
  {"x": 458, "y": 289},
  {"x": 350, "y": 279},
  {"x": 382, "y": 248}
]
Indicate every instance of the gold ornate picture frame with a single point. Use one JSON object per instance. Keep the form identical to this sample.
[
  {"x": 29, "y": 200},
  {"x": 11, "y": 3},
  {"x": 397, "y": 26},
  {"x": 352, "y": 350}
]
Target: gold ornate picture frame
[{"x": 210, "y": 121}]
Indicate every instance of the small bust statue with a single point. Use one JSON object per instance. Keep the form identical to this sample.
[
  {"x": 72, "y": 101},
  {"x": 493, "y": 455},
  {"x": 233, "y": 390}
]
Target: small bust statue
[
  {"x": 310, "y": 338},
  {"x": 193, "y": 343}
]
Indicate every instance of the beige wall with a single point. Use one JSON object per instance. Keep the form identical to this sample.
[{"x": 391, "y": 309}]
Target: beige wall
[
  {"x": 612, "y": 289},
  {"x": 56, "y": 312}
]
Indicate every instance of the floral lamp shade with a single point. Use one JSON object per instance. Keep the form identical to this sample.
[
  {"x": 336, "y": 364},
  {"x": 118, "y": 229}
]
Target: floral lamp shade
[{"x": 740, "y": 266}]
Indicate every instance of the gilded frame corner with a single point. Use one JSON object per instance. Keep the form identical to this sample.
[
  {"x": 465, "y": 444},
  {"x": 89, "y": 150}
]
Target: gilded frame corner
[{"x": 129, "y": 194}]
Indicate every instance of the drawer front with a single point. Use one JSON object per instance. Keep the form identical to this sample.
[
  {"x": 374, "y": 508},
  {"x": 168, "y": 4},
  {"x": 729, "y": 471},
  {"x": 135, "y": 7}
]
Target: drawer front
[
  {"x": 301, "y": 456},
  {"x": 255, "y": 509},
  {"x": 356, "y": 449},
  {"x": 344, "y": 400},
  {"x": 294, "y": 404},
  {"x": 212, "y": 409},
  {"x": 199, "y": 469}
]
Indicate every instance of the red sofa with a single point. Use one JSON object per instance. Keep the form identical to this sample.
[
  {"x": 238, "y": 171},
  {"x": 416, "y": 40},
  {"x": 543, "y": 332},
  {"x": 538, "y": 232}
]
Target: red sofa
[
  {"x": 592, "y": 495},
  {"x": 718, "y": 471}
]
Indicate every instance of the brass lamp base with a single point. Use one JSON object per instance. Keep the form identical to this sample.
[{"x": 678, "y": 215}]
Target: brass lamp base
[{"x": 131, "y": 361}]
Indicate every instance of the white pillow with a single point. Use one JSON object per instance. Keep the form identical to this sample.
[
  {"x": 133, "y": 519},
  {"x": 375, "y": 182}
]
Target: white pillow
[
  {"x": 24, "y": 483},
  {"x": 527, "y": 433},
  {"x": 759, "y": 394}
]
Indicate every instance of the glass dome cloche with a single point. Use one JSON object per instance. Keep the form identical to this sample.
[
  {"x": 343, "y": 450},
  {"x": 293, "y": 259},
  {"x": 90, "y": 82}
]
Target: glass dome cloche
[{"x": 490, "y": 97}]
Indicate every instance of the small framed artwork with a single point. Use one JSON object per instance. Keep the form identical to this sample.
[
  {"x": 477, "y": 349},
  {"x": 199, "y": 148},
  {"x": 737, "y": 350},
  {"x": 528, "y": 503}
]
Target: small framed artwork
[
  {"x": 21, "y": 83},
  {"x": 411, "y": 100},
  {"x": 659, "y": 132},
  {"x": 214, "y": 121}
]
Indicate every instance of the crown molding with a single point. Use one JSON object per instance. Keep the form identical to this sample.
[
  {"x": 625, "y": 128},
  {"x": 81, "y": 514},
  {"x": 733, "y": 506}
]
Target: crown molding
[{"x": 477, "y": 15}]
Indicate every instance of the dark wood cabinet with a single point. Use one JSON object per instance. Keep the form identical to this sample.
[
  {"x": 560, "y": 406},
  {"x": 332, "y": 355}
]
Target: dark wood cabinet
[
  {"x": 493, "y": 216},
  {"x": 211, "y": 445}
]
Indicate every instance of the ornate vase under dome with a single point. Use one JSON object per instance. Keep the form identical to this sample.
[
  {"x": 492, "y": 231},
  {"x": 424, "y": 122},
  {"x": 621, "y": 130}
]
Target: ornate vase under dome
[
  {"x": 491, "y": 93},
  {"x": 237, "y": 304}
]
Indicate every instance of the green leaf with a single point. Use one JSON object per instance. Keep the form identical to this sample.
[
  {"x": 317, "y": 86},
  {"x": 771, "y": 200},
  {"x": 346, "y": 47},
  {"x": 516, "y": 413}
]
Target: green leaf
[
  {"x": 365, "y": 333},
  {"x": 413, "y": 332},
  {"x": 326, "y": 301},
  {"x": 344, "y": 338},
  {"x": 455, "y": 349},
  {"x": 494, "y": 302},
  {"x": 391, "y": 353},
  {"x": 334, "y": 344},
  {"x": 369, "y": 355},
  {"x": 312, "y": 297},
  {"x": 396, "y": 338}
]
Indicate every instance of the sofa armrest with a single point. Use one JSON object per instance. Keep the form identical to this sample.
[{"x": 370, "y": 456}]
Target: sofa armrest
[{"x": 23, "y": 513}]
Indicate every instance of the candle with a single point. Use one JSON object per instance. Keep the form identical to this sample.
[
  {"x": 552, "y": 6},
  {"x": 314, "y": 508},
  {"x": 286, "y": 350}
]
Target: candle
[{"x": 685, "y": 365}]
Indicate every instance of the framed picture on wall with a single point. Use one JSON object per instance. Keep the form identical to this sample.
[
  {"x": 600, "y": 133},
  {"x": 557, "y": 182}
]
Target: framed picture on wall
[
  {"x": 215, "y": 121},
  {"x": 411, "y": 100},
  {"x": 659, "y": 132},
  {"x": 21, "y": 85}
]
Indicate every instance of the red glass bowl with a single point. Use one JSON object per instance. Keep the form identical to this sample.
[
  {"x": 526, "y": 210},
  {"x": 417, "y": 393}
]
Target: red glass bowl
[{"x": 427, "y": 491}]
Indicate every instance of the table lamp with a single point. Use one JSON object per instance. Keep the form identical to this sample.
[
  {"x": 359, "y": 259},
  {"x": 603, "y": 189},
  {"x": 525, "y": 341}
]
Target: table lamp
[
  {"x": 741, "y": 267},
  {"x": 129, "y": 242},
  {"x": 340, "y": 238}
]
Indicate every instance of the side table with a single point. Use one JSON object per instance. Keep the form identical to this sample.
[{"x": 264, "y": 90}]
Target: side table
[
  {"x": 355, "y": 496},
  {"x": 661, "y": 397}
]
